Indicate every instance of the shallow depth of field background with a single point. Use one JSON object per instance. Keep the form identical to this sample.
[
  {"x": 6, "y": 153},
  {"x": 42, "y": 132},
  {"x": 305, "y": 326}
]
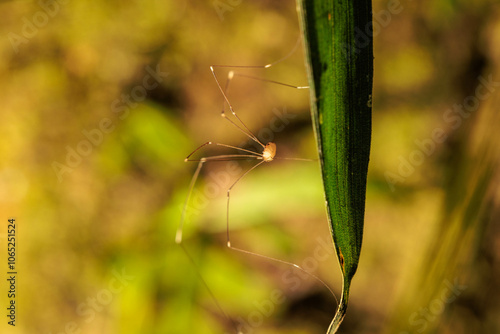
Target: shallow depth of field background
[{"x": 96, "y": 250}]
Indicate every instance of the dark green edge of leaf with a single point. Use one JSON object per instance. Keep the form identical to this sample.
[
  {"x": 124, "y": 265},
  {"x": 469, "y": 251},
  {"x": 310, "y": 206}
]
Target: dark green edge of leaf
[{"x": 339, "y": 62}]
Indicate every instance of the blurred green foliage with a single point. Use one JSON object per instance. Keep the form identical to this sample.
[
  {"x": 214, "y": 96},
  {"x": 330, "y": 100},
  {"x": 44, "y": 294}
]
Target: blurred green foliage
[{"x": 66, "y": 70}]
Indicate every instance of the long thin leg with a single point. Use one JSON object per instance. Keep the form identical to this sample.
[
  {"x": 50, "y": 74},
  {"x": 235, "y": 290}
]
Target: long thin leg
[
  {"x": 242, "y": 127},
  {"x": 250, "y": 155},
  {"x": 245, "y": 130},
  {"x": 229, "y": 245},
  {"x": 233, "y": 74},
  {"x": 201, "y": 161},
  {"x": 299, "y": 39},
  {"x": 214, "y": 299},
  {"x": 230, "y": 77},
  {"x": 254, "y": 154},
  {"x": 229, "y": 196},
  {"x": 294, "y": 159},
  {"x": 178, "y": 236}
]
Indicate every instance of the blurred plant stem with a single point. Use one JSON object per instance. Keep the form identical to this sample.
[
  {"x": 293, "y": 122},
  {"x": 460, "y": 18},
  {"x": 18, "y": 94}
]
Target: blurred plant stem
[{"x": 457, "y": 269}]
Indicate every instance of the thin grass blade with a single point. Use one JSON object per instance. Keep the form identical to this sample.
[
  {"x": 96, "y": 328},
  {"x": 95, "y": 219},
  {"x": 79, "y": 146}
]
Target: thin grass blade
[{"x": 339, "y": 61}]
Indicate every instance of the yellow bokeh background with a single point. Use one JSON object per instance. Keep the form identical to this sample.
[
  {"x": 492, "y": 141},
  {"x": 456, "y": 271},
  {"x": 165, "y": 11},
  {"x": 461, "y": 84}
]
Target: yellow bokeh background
[{"x": 102, "y": 101}]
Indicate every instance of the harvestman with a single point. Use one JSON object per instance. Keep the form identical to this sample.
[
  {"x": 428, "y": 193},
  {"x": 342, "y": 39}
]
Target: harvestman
[{"x": 268, "y": 155}]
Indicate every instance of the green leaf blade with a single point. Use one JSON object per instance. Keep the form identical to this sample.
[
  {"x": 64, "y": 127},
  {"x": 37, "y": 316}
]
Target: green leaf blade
[{"x": 339, "y": 60}]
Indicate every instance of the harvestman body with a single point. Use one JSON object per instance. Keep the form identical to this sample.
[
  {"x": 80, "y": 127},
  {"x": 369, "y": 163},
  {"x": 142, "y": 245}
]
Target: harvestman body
[
  {"x": 269, "y": 150},
  {"x": 268, "y": 155}
]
